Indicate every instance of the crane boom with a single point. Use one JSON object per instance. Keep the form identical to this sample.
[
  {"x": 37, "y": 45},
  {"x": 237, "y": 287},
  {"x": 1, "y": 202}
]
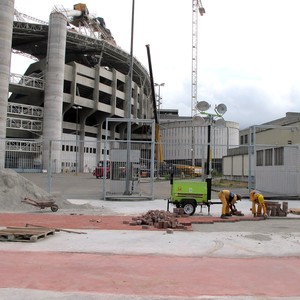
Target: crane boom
[
  {"x": 197, "y": 8},
  {"x": 158, "y": 152}
]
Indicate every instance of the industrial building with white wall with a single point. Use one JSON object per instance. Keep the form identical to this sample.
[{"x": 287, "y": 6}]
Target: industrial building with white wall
[{"x": 273, "y": 165}]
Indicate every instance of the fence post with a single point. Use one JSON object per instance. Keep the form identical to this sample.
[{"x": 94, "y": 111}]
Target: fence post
[{"x": 50, "y": 168}]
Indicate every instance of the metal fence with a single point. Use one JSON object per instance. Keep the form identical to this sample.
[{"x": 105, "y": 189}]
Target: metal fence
[
  {"x": 133, "y": 175},
  {"x": 83, "y": 156}
]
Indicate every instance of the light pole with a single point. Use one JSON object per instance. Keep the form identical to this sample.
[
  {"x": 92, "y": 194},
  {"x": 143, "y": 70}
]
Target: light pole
[
  {"x": 129, "y": 95},
  {"x": 77, "y": 107},
  {"x": 215, "y": 118}
]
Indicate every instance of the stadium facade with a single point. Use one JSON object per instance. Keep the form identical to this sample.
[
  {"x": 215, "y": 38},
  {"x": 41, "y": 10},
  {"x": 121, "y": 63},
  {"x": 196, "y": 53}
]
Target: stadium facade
[{"x": 76, "y": 82}]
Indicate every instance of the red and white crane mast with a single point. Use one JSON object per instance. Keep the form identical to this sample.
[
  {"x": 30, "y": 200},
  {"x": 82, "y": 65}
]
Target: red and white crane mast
[{"x": 197, "y": 9}]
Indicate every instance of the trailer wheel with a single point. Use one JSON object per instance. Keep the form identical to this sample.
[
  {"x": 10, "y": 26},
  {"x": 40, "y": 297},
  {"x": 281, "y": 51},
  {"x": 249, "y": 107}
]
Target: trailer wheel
[
  {"x": 189, "y": 208},
  {"x": 54, "y": 208}
]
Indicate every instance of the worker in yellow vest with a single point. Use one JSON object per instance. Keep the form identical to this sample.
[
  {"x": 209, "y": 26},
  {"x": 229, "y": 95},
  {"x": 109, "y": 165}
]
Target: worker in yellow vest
[
  {"x": 258, "y": 199},
  {"x": 228, "y": 198}
]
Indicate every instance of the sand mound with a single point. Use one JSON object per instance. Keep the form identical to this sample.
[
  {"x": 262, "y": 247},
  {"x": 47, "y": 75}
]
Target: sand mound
[{"x": 14, "y": 188}]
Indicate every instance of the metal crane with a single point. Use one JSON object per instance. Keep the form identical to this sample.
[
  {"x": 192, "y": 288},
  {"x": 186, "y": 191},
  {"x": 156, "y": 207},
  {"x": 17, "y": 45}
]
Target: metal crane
[{"x": 197, "y": 8}]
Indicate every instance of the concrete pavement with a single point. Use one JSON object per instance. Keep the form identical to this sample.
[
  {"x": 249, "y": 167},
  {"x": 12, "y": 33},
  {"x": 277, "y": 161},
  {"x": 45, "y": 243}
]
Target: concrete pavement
[{"x": 242, "y": 260}]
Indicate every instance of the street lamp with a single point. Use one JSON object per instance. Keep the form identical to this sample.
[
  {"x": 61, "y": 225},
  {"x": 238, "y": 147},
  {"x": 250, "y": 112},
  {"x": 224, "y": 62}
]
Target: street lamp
[
  {"x": 215, "y": 118},
  {"x": 77, "y": 107},
  {"x": 129, "y": 95}
]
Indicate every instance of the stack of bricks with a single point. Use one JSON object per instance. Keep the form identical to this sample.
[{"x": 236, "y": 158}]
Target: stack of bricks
[
  {"x": 159, "y": 219},
  {"x": 274, "y": 209},
  {"x": 178, "y": 211}
]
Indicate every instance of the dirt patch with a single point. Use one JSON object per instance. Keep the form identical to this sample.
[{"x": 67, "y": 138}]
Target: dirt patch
[
  {"x": 224, "y": 183},
  {"x": 14, "y": 188},
  {"x": 258, "y": 237}
]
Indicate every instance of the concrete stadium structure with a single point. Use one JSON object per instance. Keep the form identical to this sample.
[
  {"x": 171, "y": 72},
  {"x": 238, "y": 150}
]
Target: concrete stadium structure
[
  {"x": 77, "y": 82},
  {"x": 77, "y": 79}
]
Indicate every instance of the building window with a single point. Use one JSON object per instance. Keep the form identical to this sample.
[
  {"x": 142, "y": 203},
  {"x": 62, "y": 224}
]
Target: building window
[
  {"x": 268, "y": 157},
  {"x": 259, "y": 157},
  {"x": 246, "y": 139},
  {"x": 278, "y": 156},
  {"x": 242, "y": 140}
]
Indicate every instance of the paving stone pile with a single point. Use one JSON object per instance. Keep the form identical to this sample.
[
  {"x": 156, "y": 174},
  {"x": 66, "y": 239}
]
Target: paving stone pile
[{"x": 159, "y": 219}]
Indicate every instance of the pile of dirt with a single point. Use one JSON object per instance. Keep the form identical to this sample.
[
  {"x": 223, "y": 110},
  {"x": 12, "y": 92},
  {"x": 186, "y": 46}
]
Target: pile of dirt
[{"x": 14, "y": 188}]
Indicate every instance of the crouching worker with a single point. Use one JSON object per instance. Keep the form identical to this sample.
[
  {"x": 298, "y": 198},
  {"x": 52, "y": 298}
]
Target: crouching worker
[
  {"x": 228, "y": 199},
  {"x": 258, "y": 199}
]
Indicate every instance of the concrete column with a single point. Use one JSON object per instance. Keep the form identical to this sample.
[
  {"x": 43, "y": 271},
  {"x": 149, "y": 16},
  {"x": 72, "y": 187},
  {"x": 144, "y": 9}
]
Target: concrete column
[
  {"x": 6, "y": 25},
  {"x": 114, "y": 92},
  {"x": 96, "y": 86},
  {"x": 53, "y": 101},
  {"x": 81, "y": 145},
  {"x": 99, "y": 142}
]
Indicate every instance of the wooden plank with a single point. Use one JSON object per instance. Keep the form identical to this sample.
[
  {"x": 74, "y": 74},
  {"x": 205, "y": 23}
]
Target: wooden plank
[
  {"x": 56, "y": 229},
  {"x": 25, "y": 234}
]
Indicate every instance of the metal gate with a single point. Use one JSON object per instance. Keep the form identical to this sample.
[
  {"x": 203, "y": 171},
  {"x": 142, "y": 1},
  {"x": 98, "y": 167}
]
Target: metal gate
[{"x": 131, "y": 164}]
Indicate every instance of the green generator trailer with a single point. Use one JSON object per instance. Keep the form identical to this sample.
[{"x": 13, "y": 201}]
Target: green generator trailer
[{"x": 188, "y": 194}]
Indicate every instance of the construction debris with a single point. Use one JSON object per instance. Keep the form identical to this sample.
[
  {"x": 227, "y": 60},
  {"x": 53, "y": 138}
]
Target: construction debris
[{"x": 159, "y": 219}]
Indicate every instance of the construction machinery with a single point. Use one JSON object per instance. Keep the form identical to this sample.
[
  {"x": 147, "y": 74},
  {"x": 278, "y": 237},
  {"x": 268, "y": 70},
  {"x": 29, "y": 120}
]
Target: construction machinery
[
  {"x": 158, "y": 150},
  {"x": 189, "y": 194},
  {"x": 197, "y": 9},
  {"x": 193, "y": 171},
  {"x": 96, "y": 25}
]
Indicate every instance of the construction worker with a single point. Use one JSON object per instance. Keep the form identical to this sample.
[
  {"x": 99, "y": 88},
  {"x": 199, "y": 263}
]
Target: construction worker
[
  {"x": 258, "y": 199},
  {"x": 228, "y": 199}
]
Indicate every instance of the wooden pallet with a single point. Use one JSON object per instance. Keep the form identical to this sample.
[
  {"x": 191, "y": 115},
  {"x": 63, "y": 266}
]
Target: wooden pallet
[{"x": 24, "y": 234}]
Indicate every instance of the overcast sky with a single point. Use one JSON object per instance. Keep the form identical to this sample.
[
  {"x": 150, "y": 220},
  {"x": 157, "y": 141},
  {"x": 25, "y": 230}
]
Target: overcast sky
[{"x": 248, "y": 51}]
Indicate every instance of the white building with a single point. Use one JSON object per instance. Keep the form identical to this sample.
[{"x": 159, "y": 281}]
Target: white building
[
  {"x": 185, "y": 142},
  {"x": 274, "y": 161}
]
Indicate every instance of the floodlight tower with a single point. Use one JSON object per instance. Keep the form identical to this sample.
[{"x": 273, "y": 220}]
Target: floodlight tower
[
  {"x": 197, "y": 8},
  {"x": 215, "y": 119}
]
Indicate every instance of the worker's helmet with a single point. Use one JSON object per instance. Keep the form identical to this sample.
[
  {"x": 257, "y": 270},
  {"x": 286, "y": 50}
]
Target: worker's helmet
[{"x": 238, "y": 197}]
